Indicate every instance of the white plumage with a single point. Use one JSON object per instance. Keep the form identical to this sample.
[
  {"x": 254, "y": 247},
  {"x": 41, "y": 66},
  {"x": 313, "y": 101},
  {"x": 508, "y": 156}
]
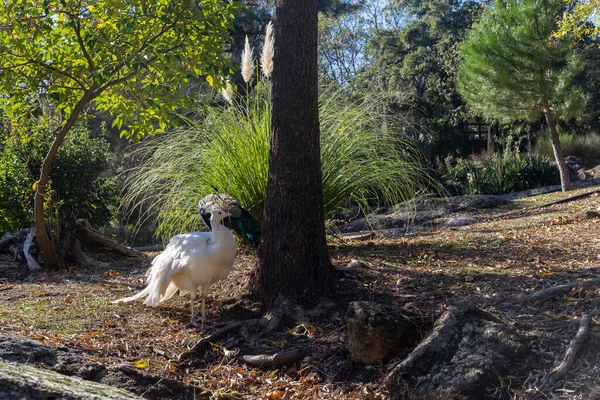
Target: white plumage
[{"x": 191, "y": 262}]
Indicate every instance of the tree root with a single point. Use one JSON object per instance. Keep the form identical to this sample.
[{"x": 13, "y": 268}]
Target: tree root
[
  {"x": 554, "y": 291},
  {"x": 559, "y": 372},
  {"x": 277, "y": 359},
  {"x": 204, "y": 343}
]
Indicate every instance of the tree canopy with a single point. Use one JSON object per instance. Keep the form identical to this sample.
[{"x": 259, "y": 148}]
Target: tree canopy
[
  {"x": 132, "y": 57},
  {"x": 513, "y": 67}
]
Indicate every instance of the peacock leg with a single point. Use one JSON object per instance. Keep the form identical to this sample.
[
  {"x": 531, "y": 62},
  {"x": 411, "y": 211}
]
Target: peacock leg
[
  {"x": 192, "y": 321},
  {"x": 203, "y": 307}
]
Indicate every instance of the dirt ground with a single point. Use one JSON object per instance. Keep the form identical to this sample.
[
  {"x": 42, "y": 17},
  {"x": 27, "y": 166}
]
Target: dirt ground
[{"x": 514, "y": 250}]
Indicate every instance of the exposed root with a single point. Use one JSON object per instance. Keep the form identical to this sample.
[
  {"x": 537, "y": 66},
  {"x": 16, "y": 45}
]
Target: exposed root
[
  {"x": 559, "y": 372},
  {"x": 554, "y": 291},
  {"x": 204, "y": 343},
  {"x": 277, "y": 359}
]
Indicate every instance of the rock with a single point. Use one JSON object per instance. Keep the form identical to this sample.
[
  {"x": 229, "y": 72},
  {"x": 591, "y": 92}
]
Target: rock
[
  {"x": 592, "y": 215},
  {"x": 421, "y": 212},
  {"x": 460, "y": 220},
  {"x": 467, "y": 350},
  {"x": 377, "y": 333},
  {"x": 355, "y": 264},
  {"x": 24, "y": 382},
  {"x": 21, "y": 350}
]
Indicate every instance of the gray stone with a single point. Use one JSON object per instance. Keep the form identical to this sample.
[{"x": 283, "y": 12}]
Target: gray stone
[
  {"x": 459, "y": 220},
  {"x": 421, "y": 212}
]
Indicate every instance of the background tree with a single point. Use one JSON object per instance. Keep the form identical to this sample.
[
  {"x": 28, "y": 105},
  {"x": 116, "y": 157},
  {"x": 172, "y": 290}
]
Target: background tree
[
  {"x": 132, "y": 59},
  {"x": 294, "y": 261},
  {"x": 514, "y": 67},
  {"x": 412, "y": 61}
]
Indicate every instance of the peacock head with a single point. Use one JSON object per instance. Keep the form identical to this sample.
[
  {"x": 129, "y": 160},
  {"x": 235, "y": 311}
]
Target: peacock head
[{"x": 218, "y": 215}]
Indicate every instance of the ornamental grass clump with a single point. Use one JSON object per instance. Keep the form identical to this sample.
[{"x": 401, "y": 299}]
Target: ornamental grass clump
[
  {"x": 227, "y": 151},
  {"x": 500, "y": 174}
]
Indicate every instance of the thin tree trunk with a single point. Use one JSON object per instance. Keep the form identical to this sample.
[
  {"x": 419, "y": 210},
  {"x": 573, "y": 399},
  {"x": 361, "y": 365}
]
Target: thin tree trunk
[
  {"x": 43, "y": 239},
  {"x": 294, "y": 261},
  {"x": 563, "y": 169}
]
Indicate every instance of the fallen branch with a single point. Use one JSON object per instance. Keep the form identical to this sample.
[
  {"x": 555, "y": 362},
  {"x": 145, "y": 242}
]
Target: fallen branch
[
  {"x": 554, "y": 291},
  {"x": 277, "y": 359},
  {"x": 204, "y": 343},
  {"x": 85, "y": 259},
  {"x": 32, "y": 263},
  {"x": 563, "y": 368}
]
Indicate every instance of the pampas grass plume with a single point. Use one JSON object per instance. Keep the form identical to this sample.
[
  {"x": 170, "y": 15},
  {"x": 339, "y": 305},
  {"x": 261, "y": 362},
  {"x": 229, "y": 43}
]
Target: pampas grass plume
[
  {"x": 227, "y": 92},
  {"x": 247, "y": 62},
  {"x": 266, "y": 58}
]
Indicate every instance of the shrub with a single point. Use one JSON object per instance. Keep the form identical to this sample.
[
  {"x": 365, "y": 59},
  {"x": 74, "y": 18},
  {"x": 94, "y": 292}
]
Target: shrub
[
  {"x": 497, "y": 174},
  {"x": 78, "y": 188},
  {"x": 228, "y": 152},
  {"x": 586, "y": 147}
]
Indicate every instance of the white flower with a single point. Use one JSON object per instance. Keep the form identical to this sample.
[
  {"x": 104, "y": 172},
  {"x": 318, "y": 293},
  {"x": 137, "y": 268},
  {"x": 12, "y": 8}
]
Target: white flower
[
  {"x": 247, "y": 62},
  {"x": 266, "y": 58},
  {"x": 227, "y": 92}
]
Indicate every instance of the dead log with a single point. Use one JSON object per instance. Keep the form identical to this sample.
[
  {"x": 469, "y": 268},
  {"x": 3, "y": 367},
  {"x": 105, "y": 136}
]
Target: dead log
[
  {"x": 277, "y": 359},
  {"x": 32, "y": 263},
  {"x": 554, "y": 291},
  {"x": 85, "y": 259},
  {"x": 559, "y": 372},
  {"x": 20, "y": 381},
  {"x": 93, "y": 238},
  {"x": 13, "y": 237}
]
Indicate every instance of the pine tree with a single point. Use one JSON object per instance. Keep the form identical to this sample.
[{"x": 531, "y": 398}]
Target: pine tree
[{"x": 514, "y": 67}]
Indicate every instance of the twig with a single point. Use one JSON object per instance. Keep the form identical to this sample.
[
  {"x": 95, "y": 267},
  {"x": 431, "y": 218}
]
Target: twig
[
  {"x": 277, "y": 359},
  {"x": 556, "y": 291},
  {"x": 203, "y": 343},
  {"x": 563, "y": 368}
]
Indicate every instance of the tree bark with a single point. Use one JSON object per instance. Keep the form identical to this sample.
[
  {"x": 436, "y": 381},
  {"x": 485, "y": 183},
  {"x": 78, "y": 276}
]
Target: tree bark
[
  {"x": 563, "y": 169},
  {"x": 294, "y": 261},
  {"x": 43, "y": 239}
]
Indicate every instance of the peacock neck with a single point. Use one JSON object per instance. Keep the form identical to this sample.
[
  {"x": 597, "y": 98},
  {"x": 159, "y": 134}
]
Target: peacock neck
[{"x": 217, "y": 229}]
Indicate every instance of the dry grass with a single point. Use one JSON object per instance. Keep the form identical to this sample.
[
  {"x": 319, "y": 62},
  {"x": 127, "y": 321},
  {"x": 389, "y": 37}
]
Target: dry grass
[{"x": 515, "y": 250}]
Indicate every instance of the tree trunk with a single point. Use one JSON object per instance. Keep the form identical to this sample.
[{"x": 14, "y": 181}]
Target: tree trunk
[
  {"x": 294, "y": 261},
  {"x": 563, "y": 169},
  {"x": 39, "y": 220}
]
